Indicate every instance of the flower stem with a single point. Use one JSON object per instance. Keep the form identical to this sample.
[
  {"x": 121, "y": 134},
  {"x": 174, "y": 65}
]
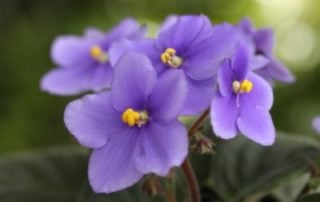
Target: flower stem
[
  {"x": 198, "y": 123},
  {"x": 191, "y": 179},
  {"x": 170, "y": 187}
]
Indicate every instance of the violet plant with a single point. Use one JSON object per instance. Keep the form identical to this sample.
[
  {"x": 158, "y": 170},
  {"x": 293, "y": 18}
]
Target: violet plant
[{"x": 141, "y": 87}]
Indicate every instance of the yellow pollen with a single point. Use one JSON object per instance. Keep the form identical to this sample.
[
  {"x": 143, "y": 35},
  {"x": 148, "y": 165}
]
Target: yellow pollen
[
  {"x": 98, "y": 54},
  {"x": 132, "y": 117},
  {"x": 244, "y": 87},
  {"x": 170, "y": 58}
]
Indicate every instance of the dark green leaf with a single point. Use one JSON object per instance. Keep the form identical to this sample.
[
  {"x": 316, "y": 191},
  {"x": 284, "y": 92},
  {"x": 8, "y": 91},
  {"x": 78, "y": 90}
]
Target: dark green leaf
[
  {"x": 53, "y": 175},
  {"x": 241, "y": 168},
  {"x": 310, "y": 198}
]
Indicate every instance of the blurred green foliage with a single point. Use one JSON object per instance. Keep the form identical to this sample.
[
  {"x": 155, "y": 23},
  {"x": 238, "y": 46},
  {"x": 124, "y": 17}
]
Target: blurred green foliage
[{"x": 31, "y": 119}]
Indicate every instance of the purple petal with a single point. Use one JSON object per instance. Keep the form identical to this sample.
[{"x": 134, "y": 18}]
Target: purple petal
[
  {"x": 316, "y": 124},
  {"x": 203, "y": 60},
  {"x": 134, "y": 80},
  {"x": 146, "y": 46},
  {"x": 198, "y": 97},
  {"x": 168, "y": 96},
  {"x": 261, "y": 94},
  {"x": 275, "y": 70},
  {"x": 264, "y": 41},
  {"x": 164, "y": 145},
  {"x": 72, "y": 81},
  {"x": 246, "y": 26},
  {"x": 256, "y": 123},
  {"x": 112, "y": 167},
  {"x": 92, "y": 120},
  {"x": 240, "y": 61},
  {"x": 168, "y": 22},
  {"x": 225, "y": 78},
  {"x": 224, "y": 113},
  {"x": 258, "y": 61},
  {"x": 71, "y": 51},
  {"x": 94, "y": 33},
  {"x": 127, "y": 28},
  {"x": 187, "y": 30}
]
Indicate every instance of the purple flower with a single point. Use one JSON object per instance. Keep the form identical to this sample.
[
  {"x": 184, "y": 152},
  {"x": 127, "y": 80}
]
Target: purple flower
[
  {"x": 242, "y": 102},
  {"x": 133, "y": 130},
  {"x": 190, "y": 45},
  {"x": 262, "y": 41},
  {"x": 316, "y": 124},
  {"x": 83, "y": 61}
]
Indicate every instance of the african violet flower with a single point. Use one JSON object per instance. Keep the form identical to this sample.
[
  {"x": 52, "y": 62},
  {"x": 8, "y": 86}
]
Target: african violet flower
[
  {"x": 189, "y": 45},
  {"x": 83, "y": 62},
  {"x": 316, "y": 124},
  {"x": 134, "y": 129},
  {"x": 262, "y": 41},
  {"x": 242, "y": 102}
]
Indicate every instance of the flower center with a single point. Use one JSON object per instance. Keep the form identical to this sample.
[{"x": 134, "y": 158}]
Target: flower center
[
  {"x": 242, "y": 87},
  {"x": 170, "y": 58},
  {"x": 98, "y": 54},
  {"x": 132, "y": 117}
]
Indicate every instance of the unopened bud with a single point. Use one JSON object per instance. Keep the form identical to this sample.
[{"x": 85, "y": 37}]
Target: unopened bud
[
  {"x": 203, "y": 145},
  {"x": 152, "y": 186}
]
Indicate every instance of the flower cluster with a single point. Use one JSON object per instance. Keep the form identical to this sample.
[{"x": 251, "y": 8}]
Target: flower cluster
[{"x": 142, "y": 85}]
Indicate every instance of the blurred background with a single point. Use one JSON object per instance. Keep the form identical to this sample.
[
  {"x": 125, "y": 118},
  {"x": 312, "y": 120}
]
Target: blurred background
[{"x": 31, "y": 119}]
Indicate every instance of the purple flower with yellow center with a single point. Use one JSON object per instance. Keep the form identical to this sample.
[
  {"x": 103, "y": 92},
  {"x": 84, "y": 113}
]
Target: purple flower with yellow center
[
  {"x": 242, "y": 101},
  {"x": 83, "y": 61},
  {"x": 262, "y": 41},
  {"x": 191, "y": 46},
  {"x": 133, "y": 130},
  {"x": 316, "y": 124}
]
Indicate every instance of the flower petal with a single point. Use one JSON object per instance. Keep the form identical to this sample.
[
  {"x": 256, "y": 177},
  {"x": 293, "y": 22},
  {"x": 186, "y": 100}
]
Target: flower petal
[
  {"x": 92, "y": 120},
  {"x": 112, "y": 167},
  {"x": 261, "y": 94},
  {"x": 168, "y": 96},
  {"x": 199, "y": 96},
  {"x": 94, "y": 33},
  {"x": 127, "y": 28},
  {"x": 316, "y": 124},
  {"x": 168, "y": 22},
  {"x": 185, "y": 31},
  {"x": 134, "y": 80},
  {"x": 264, "y": 41},
  {"x": 256, "y": 123},
  {"x": 72, "y": 81},
  {"x": 224, "y": 113},
  {"x": 164, "y": 145},
  {"x": 225, "y": 78},
  {"x": 258, "y": 61},
  {"x": 145, "y": 46},
  {"x": 203, "y": 60},
  {"x": 246, "y": 26},
  {"x": 240, "y": 62},
  {"x": 72, "y": 51},
  {"x": 275, "y": 70}
]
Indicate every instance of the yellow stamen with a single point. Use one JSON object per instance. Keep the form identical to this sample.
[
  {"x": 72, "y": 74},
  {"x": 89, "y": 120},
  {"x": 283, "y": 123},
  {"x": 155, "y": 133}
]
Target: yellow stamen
[
  {"x": 132, "y": 117},
  {"x": 244, "y": 87},
  {"x": 98, "y": 54},
  {"x": 170, "y": 58}
]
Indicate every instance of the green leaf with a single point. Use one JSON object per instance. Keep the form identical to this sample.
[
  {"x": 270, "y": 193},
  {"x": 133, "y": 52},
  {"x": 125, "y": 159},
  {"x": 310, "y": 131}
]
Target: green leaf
[
  {"x": 56, "y": 175},
  {"x": 291, "y": 189},
  {"x": 241, "y": 168},
  {"x": 310, "y": 198},
  {"x": 133, "y": 194},
  {"x": 53, "y": 175}
]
